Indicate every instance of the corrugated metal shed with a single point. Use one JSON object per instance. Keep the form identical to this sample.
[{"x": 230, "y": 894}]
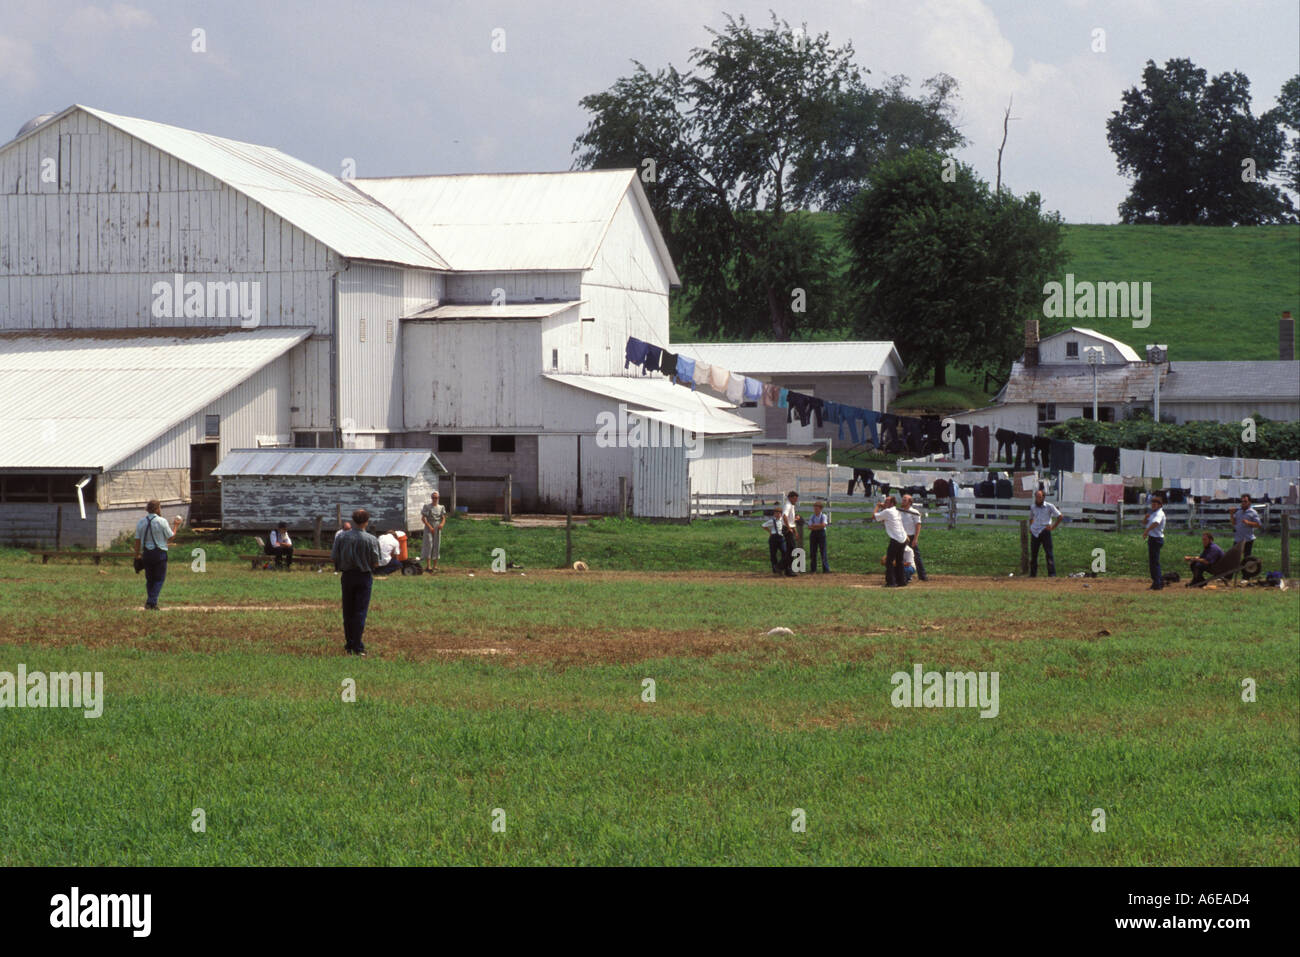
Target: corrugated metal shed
[
  {"x": 87, "y": 400},
  {"x": 515, "y": 221},
  {"x": 777, "y": 358},
  {"x": 335, "y": 463},
  {"x": 343, "y": 218},
  {"x": 665, "y": 402},
  {"x": 513, "y": 310}
]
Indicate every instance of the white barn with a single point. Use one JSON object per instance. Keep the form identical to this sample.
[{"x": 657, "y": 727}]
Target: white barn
[{"x": 447, "y": 312}]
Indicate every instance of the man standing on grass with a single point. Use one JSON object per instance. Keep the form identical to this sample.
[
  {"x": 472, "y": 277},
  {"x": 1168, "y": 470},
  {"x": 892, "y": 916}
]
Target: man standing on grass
[
  {"x": 1154, "y": 533},
  {"x": 912, "y": 526},
  {"x": 356, "y": 556},
  {"x": 1244, "y": 522},
  {"x": 152, "y": 533},
  {"x": 790, "y": 525},
  {"x": 775, "y": 541},
  {"x": 817, "y": 538},
  {"x": 433, "y": 516},
  {"x": 1044, "y": 517},
  {"x": 887, "y": 512}
]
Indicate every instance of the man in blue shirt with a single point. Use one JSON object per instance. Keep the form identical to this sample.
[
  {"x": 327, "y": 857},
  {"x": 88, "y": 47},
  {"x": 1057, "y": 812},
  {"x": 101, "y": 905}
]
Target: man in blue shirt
[
  {"x": 356, "y": 556},
  {"x": 1154, "y": 532},
  {"x": 1244, "y": 522},
  {"x": 1200, "y": 564},
  {"x": 152, "y": 533}
]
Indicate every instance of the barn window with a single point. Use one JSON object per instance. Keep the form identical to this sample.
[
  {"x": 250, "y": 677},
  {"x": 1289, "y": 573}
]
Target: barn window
[
  {"x": 1047, "y": 412},
  {"x": 388, "y": 330},
  {"x": 211, "y": 426},
  {"x": 1071, "y": 350},
  {"x": 451, "y": 443},
  {"x": 555, "y": 358},
  {"x": 503, "y": 443}
]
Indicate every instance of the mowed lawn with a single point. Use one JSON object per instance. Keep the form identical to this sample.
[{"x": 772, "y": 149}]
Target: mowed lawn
[{"x": 523, "y": 692}]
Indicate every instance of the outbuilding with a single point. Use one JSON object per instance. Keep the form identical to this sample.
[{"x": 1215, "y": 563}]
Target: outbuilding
[{"x": 263, "y": 487}]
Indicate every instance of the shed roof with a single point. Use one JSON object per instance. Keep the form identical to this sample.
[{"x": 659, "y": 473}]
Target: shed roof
[
  {"x": 501, "y": 222},
  {"x": 334, "y": 463},
  {"x": 1126, "y": 351},
  {"x": 779, "y": 358},
  {"x": 74, "y": 399},
  {"x": 662, "y": 400},
  {"x": 1261, "y": 380},
  {"x": 323, "y": 206},
  {"x": 510, "y": 310},
  {"x": 1235, "y": 381}
]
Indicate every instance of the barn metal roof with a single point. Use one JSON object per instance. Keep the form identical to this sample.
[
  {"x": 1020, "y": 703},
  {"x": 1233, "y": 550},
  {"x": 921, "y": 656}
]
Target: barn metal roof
[
  {"x": 1126, "y": 351},
  {"x": 511, "y": 310},
  {"x": 780, "y": 358},
  {"x": 345, "y": 463},
  {"x": 1264, "y": 380},
  {"x": 323, "y": 206},
  {"x": 492, "y": 222},
  {"x": 74, "y": 399},
  {"x": 1216, "y": 381},
  {"x": 676, "y": 405}
]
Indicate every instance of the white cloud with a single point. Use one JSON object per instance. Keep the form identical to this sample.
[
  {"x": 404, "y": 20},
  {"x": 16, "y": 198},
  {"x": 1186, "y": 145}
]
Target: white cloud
[{"x": 17, "y": 66}]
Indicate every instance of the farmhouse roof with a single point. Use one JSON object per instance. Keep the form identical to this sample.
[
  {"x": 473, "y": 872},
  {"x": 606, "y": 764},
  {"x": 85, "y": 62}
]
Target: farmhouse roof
[{"x": 85, "y": 401}]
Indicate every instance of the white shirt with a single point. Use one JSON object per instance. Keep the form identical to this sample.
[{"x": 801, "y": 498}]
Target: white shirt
[
  {"x": 893, "y": 523},
  {"x": 790, "y": 515},
  {"x": 1040, "y": 517},
  {"x": 773, "y": 525},
  {"x": 279, "y": 538},
  {"x": 910, "y": 518},
  {"x": 909, "y": 557},
  {"x": 819, "y": 520},
  {"x": 1156, "y": 524},
  {"x": 387, "y": 545}
]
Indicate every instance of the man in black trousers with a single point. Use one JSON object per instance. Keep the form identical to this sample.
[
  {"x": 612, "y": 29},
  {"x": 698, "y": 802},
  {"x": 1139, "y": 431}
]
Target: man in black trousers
[
  {"x": 356, "y": 556},
  {"x": 887, "y": 512}
]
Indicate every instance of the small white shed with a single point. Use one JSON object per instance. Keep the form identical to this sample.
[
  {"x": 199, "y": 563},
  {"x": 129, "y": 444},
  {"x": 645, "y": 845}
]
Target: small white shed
[{"x": 263, "y": 487}]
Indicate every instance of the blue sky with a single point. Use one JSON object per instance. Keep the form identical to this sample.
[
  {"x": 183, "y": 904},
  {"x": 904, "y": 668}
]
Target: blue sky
[{"x": 407, "y": 87}]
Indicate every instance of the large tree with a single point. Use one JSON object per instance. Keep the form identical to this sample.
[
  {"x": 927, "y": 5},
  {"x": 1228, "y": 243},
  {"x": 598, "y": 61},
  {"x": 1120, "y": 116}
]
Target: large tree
[
  {"x": 944, "y": 266},
  {"x": 1197, "y": 154},
  {"x": 765, "y": 124},
  {"x": 1287, "y": 115}
]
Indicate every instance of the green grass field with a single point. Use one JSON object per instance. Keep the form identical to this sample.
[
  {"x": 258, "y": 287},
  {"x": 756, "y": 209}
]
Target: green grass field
[{"x": 523, "y": 692}]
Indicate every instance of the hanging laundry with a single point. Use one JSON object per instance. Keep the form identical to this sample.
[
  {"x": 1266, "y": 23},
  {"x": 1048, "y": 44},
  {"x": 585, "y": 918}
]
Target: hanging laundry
[
  {"x": 866, "y": 477},
  {"x": 889, "y": 438},
  {"x": 1006, "y": 444},
  {"x": 753, "y": 390},
  {"x": 703, "y": 372},
  {"x": 805, "y": 407},
  {"x": 668, "y": 363},
  {"x": 1023, "y": 484},
  {"x": 653, "y": 356},
  {"x": 1150, "y": 464},
  {"x": 1024, "y": 443},
  {"x": 1062, "y": 455},
  {"x": 1270, "y": 469},
  {"x": 963, "y": 436},
  {"x": 1105, "y": 458},
  {"x": 685, "y": 370},
  {"x": 1043, "y": 449},
  {"x": 1130, "y": 462},
  {"x": 718, "y": 379},
  {"x": 770, "y": 394},
  {"x": 636, "y": 352},
  {"x": 736, "y": 388},
  {"x": 1250, "y": 468},
  {"x": 872, "y": 419},
  {"x": 980, "y": 444},
  {"x": 1083, "y": 456},
  {"x": 1112, "y": 494},
  {"x": 912, "y": 434},
  {"x": 783, "y": 399},
  {"x": 1093, "y": 492}
]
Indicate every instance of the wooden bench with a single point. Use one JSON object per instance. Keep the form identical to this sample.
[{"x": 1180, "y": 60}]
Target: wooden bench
[
  {"x": 93, "y": 556},
  {"x": 316, "y": 557}
]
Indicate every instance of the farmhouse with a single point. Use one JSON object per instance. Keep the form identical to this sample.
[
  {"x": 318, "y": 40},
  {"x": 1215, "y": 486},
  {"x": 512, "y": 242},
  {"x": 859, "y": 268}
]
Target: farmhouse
[
  {"x": 482, "y": 316},
  {"x": 862, "y": 374},
  {"x": 1053, "y": 381}
]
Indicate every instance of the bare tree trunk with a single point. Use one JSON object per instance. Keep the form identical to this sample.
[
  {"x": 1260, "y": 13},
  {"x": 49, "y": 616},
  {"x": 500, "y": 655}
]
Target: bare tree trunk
[
  {"x": 1006, "y": 119},
  {"x": 940, "y": 372}
]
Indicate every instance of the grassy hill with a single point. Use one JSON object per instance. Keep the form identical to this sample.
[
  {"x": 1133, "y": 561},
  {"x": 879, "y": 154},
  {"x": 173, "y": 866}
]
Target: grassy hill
[{"x": 1217, "y": 292}]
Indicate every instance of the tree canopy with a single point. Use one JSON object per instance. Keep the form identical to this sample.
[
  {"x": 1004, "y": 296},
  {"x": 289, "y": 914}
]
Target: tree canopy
[
  {"x": 944, "y": 266},
  {"x": 1196, "y": 152},
  {"x": 764, "y": 124}
]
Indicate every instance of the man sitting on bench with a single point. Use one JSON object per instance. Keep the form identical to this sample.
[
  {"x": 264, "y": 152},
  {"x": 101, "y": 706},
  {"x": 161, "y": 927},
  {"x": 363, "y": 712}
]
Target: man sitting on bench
[
  {"x": 1202, "y": 563},
  {"x": 281, "y": 546}
]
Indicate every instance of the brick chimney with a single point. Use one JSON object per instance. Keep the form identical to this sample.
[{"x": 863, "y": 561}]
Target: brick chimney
[
  {"x": 1031, "y": 343},
  {"x": 1286, "y": 337}
]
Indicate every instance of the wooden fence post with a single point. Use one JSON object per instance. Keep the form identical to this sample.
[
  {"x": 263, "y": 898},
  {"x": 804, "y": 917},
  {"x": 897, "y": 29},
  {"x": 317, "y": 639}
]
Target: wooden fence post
[
  {"x": 58, "y": 530},
  {"x": 1119, "y": 516},
  {"x": 1024, "y": 547},
  {"x": 453, "y": 493},
  {"x": 1286, "y": 545},
  {"x": 568, "y": 539},
  {"x": 506, "y": 503},
  {"x": 315, "y": 538},
  {"x": 338, "y": 516},
  {"x": 622, "y": 496}
]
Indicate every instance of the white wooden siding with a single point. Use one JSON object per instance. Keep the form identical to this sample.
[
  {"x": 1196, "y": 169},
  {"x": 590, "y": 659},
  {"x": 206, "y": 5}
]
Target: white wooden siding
[
  {"x": 518, "y": 286},
  {"x": 86, "y": 250},
  {"x": 725, "y": 467}
]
